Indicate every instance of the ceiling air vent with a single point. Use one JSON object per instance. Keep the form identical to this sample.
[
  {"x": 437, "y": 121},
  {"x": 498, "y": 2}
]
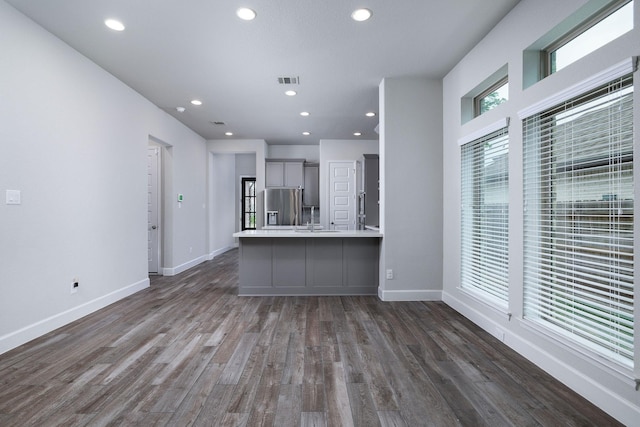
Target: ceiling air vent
[
  {"x": 289, "y": 80},
  {"x": 217, "y": 123}
]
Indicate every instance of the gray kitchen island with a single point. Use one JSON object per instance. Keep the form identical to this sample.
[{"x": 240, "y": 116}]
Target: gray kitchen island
[{"x": 303, "y": 262}]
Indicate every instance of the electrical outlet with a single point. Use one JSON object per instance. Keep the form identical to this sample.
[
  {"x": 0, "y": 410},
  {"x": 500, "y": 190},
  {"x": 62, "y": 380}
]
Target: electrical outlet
[
  {"x": 75, "y": 284},
  {"x": 13, "y": 197},
  {"x": 389, "y": 274}
]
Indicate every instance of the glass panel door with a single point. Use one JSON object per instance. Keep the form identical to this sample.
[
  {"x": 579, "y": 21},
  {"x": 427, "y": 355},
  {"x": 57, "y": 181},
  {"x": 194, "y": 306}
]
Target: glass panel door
[{"x": 248, "y": 203}]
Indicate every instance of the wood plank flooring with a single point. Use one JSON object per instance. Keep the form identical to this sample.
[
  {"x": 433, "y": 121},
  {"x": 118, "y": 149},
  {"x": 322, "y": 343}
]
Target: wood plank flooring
[{"x": 188, "y": 351}]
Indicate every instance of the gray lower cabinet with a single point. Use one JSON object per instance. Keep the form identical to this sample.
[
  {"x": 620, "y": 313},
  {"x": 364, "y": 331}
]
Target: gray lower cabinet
[
  {"x": 325, "y": 263},
  {"x": 309, "y": 266},
  {"x": 358, "y": 271},
  {"x": 259, "y": 252},
  {"x": 288, "y": 264}
]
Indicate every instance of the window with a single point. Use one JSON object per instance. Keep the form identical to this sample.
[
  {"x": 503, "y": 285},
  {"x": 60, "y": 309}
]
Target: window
[
  {"x": 604, "y": 27},
  {"x": 591, "y": 27},
  {"x": 248, "y": 203},
  {"x": 492, "y": 97},
  {"x": 488, "y": 94},
  {"x": 578, "y": 219},
  {"x": 485, "y": 217}
]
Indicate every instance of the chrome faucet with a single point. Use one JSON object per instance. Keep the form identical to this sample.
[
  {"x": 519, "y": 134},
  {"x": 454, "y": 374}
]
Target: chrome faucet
[{"x": 313, "y": 208}]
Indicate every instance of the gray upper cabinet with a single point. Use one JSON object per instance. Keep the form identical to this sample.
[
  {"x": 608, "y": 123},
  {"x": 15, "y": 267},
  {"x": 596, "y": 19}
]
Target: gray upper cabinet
[
  {"x": 371, "y": 166},
  {"x": 274, "y": 174},
  {"x": 284, "y": 173},
  {"x": 311, "y": 194},
  {"x": 294, "y": 174}
]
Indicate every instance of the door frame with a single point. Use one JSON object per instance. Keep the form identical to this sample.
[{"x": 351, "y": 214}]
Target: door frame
[{"x": 158, "y": 206}]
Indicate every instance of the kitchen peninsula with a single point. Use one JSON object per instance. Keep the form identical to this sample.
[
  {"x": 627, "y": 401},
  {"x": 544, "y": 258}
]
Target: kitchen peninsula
[{"x": 305, "y": 262}]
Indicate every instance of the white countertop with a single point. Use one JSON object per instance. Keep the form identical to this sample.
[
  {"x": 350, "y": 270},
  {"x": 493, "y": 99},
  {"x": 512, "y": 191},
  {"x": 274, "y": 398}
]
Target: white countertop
[
  {"x": 289, "y": 227},
  {"x": 305, "y": 233}
]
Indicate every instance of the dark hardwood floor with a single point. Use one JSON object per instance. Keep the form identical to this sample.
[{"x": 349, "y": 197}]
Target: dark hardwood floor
[{"x": 188, "y": 351}]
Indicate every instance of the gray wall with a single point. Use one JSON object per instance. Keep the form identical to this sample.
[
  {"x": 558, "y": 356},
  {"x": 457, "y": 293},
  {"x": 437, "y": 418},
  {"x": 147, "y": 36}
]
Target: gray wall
[
  {"x": 74, "y": 141},
  {"x": 310, "y": 153},
  {"x": 591, "y": 376},
  {"x": 411, "y": 188}
]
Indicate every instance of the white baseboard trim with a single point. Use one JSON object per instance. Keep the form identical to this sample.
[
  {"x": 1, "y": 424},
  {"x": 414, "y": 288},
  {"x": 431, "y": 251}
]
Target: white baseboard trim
[
  {"x": 220, "y": 251},
  {"x": 474, "y": 315},
  {"x": 606, "y": 399},
  {"x": 44, "y": 326},
  {"x": 172, "y": 271},
  {"x": 416, "y": 295}
]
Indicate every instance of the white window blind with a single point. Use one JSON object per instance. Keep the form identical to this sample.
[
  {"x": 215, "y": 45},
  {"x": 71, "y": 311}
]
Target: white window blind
[
  {"x": 485, "y": 217},
  {"x": 578, "y": 219}
]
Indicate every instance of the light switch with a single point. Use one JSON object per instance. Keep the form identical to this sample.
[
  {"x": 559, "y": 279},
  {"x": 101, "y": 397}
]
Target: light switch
[{"x": 13, "y": 197}]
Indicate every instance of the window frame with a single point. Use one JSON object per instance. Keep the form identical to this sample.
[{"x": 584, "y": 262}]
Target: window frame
[
  {"x": 544, "y": 184},
  {"x": 477, "y": 100},
  {"x": 476, "y": 247},
  {"x": 546, "y": 53},
  {"x": 467, "y": 108}
]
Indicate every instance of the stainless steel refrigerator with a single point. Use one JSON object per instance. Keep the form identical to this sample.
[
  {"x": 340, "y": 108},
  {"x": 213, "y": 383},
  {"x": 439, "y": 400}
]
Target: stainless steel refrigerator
[{"x": 282, "y": 206}]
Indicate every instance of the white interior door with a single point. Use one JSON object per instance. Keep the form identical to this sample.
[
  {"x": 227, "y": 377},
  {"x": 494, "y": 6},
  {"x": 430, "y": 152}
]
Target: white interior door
[
  {"x": 342, "y": 194},
  {"x": 153, "y": 209}
]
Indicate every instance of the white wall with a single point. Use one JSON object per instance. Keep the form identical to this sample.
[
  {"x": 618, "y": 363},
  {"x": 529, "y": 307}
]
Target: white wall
[
  {"x": 74, "y": 141},
  {"x": 222, "y": 200},
  {"x": 530, "y": 19},
  {"x": 336, "y": 150},
  {"x": 311, "y": 153},
  {"x": 411, "y": 188},
  {"x": 221, "y": 231},
  {"x": 187, "y": 221}
]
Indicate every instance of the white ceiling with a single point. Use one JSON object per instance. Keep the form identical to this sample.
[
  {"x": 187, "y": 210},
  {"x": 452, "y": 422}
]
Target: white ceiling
[{"x": 173, "y": 51}]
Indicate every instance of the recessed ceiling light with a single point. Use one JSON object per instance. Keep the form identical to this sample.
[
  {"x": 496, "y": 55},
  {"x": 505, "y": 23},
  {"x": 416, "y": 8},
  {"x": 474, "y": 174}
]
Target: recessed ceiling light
[
  {"x": 291, "y": 93},
  {"x": 196, "y": 102},
  {"x": 361, "y": 15},
  {"x": 370, "y": 114},
  {"x": 357, "y": 134},
  {"x": 305, "y": 133},
  {"x": 114, "y": 24},
  {"x": 180, "y": 109},
  {"x": 229, "y": 133},
  {"x": 246, "y": 14},
  {"x": 304, "y": 114}
]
